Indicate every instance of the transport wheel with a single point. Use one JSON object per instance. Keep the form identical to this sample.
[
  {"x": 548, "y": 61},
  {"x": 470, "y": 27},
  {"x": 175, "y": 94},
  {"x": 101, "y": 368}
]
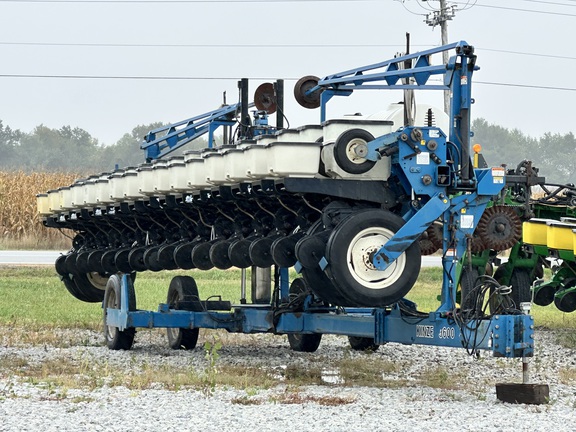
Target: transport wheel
[
  {"x": 350, "y": 250},
  {"x": 521, "y": 284},
  {"x": 219, "y": 254},
  {"x": 90, "y": 287},
  {"x": 183, "y": 289},
  {"x": 239, "y": 253},
  {"x": 470, "y": 304},
  {"x": 350, "y": 151},
  {"x": 302, "y": 342},
  {"x": 362, "y": 343},
  {"x": 117, "y": 339}
]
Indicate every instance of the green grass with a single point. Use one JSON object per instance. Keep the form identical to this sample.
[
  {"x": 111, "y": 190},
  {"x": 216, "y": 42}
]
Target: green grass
[{"x": 34, "y": 297}]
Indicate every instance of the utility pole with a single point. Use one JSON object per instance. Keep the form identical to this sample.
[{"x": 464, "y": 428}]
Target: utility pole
[{"x": 441, "y": 17}]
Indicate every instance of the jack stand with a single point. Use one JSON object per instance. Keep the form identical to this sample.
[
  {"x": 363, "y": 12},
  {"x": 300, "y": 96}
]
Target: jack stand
[{"x": 525, "y": 393}]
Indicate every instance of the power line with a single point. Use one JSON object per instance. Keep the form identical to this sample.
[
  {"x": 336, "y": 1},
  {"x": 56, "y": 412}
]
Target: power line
[
  {"x": 261, "y": 46},
  {"x": 192, "y": 78},
  {"x": 517, "y": 9}
]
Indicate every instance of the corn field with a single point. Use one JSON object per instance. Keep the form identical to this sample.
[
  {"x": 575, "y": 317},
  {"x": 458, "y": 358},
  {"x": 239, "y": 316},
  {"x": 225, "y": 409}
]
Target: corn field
[{"x": 20, "y": 226}]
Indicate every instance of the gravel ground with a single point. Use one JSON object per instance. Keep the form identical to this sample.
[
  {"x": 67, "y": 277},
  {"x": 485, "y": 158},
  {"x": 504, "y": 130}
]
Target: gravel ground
[{"x": 420, "y": 400}]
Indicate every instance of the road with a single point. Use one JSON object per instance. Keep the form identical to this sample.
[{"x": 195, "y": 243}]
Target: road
[{"x": 11, "y": 257}]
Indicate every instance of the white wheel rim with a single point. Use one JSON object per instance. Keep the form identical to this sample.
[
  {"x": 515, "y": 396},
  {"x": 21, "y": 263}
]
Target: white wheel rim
[
  {"x": 351, "y": 151},
  {"x": 97, "y": 280},
  {"x": 112, "y": 303},
  {"x": 359, "y": 254}
]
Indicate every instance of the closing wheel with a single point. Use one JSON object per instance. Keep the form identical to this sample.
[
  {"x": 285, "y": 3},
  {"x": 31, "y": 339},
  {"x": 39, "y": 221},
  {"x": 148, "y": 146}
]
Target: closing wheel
[
  {"x": 108, "y": 261},
  {"x": 239, "y": 253},
  {"x": 302, "y": 342},
  {"x": 166, "y": 257},
  {"x": 150, "y": 259},
  {"x": 260, "y": 251},
  {"x": 350, "y": 151},
  {"x": 81, "y": 263},
  {"x": 121, "y": 260},
  {"x": 135, "y": 259},
  {"x": 219, "y": 254},
  {"x": 94, "y": 261},
  {"x": 60, "y": 265},
  {"x": 183, "y": 289},
  {"x": 183, "y": 255},
  {"x": 362, "y": 343},
  {"x": 282, "y": 250},
  {"x": 350, "y": 251},
  {"x": 117, "y": 339},
  {"x": 201, "y": 255}
]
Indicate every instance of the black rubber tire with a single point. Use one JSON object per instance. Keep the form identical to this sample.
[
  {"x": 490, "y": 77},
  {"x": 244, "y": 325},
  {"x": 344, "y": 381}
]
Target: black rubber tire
[
  {"x": 108, "y": 261},
  {"x": 166, "y": 256},
  {"x": 343, "y": 151},
  {"x": 521, "y": 283},
  {"x": 283, "y": 250},
  {"x": 358, "y": 343},
  {"x": 95, "y": 261},
  {"x": 302, "y": 342},
  {"x": 61, "y": 266},
  {"x": 358, "y": 236},
  {"x": 115, "y": 338},
  {"x": 82, "y": 263},
  {"x": 311, "y": 248},
  {"x": 469, "y": 291},
  {"x": 182, "y": 289},
  {"x": 90, "y": 287}
]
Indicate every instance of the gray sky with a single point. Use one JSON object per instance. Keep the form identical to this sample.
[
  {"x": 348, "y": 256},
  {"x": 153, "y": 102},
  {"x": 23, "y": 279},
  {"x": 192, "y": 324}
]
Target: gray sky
[{"x": 59, "y": 38}]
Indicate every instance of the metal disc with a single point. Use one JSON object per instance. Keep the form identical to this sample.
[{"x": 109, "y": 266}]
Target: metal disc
[
  {"x": 107, "y": 261},
  {"x": 260, "y": 251},
  {"x": 201, "y": 256},
  {"x": 121, "y": 260},
  {"x": 219, "y": 254},
  {"x": 150, "y": 258},
  {"x": 135, "y": 259},
  {"x": 265, "y": 99},
  {"x": 166, "y": 257},
  {"x": 239, "y": 253},
  {"x": 183, "y": 255},
  {"x": 282, "y": 250},
  {"x": 302, "y": 86},
  {"x": 311, "y": 248}
]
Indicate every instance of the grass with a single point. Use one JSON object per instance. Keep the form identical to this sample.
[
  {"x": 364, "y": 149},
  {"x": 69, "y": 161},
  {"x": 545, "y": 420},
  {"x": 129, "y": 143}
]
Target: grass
[{"x": 35, "y": 298}]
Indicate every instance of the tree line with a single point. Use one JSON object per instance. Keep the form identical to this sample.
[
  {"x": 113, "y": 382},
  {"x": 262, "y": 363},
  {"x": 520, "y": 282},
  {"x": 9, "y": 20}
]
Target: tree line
[{"x": 74, "y": 149}]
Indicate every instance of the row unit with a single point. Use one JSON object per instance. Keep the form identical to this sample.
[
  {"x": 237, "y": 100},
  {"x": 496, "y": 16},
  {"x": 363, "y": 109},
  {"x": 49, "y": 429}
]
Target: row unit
[
  {"x": 551, "y": 233},
  {"x": 290, "y": 153}
]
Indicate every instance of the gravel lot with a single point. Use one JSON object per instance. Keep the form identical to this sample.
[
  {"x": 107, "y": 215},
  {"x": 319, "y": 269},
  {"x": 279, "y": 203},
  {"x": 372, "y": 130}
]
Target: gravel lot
[{"x": 465, "y": 400}]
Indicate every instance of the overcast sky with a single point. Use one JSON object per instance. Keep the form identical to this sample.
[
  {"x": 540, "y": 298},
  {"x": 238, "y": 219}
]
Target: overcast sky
[{"x": 218, "y": 42}]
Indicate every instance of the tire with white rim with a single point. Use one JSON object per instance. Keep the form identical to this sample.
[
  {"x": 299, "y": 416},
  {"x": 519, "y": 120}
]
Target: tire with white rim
[
  {"x": 350, "y": 150},
  {"x": 350, "y": 252}
]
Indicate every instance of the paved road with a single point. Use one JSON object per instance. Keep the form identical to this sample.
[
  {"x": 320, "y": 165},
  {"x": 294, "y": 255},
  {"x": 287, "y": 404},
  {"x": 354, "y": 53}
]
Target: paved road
[{"x": 8, "y": 257}]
